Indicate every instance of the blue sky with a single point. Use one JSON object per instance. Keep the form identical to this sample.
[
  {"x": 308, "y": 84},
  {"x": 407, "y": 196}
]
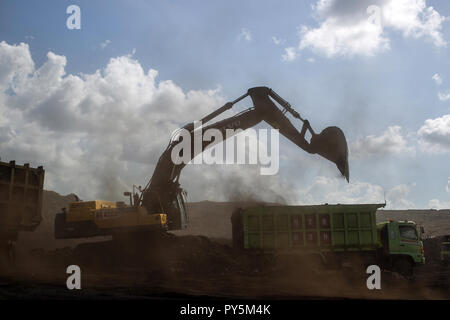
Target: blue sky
[{"x": 230, "y": 46}]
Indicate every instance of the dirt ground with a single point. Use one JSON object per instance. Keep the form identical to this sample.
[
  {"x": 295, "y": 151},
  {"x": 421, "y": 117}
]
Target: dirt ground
[
  {"x": 196, "y": 263},
  {"x": 195, "y": 266}
]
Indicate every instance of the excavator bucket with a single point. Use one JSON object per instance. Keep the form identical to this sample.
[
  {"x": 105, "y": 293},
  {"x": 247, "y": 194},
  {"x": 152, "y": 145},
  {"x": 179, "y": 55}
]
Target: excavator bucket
[{"x": 332, "y": 145}]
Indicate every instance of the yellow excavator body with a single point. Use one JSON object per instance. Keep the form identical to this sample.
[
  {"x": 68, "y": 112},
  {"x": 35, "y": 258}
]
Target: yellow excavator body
[{"x": 97, "y": 218}]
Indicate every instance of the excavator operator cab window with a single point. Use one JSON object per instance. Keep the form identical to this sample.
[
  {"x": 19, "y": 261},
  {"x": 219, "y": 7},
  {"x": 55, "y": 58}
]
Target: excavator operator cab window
[
  {"x": 182, "y": 205},
  {"x": 177, "y": 214}
]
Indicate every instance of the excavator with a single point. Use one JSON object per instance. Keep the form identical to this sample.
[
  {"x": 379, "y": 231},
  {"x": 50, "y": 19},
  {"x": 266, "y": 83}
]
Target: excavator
[{"x": 161, "y": 204}]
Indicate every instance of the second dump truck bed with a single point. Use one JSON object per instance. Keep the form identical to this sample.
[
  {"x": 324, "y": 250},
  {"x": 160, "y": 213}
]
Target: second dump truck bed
[
  {"x": 307, "y": 228},
  {"x": 21, "y": 191}
]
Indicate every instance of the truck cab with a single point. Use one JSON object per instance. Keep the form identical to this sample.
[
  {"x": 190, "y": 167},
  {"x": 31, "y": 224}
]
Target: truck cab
[{"x": 402, "y": 244}]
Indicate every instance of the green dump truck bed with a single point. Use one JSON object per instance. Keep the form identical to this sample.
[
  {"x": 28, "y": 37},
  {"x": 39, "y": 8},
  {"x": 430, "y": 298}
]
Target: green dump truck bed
[
  {"x": 307, "y": 228},
  {"x": 21, "y": 191}
]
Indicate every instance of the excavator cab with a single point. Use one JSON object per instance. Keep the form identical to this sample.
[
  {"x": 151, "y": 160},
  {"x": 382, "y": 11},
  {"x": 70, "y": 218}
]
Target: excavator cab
[
  {"x": 182, "y": 212},
  {"x": 177, "y": 213}
]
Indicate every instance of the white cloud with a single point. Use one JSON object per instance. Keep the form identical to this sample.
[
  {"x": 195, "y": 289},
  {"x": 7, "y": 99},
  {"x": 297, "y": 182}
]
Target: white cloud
[
  {"x": 290, "y": 54},
  {"x": 437, "y": 204},
  {"x": 414, "y": 19},
  {"x": 444, "y": 96},
  {"x": 447, "y": 187},
  {"x": 15, "y": 65},
  {"x": 398, "y": 197},
  {"x": 278, "y": 41},
  {"x": 390, "y": 142},
  {"x": 334, "y": 39},
  {"x": 245, "y": 35},
  {"x": 434, "y": 135},
  {"x": 358, "y": 27},
  {"x": 96, "y": 134},
  {"x": 437, "y": 78},
  {"x": 336, "y": 190},
  {"x": 104, "y": 44}
]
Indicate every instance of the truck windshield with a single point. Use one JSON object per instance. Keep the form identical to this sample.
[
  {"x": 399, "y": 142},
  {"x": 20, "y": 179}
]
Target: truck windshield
[{"x": 408, "y": 232}]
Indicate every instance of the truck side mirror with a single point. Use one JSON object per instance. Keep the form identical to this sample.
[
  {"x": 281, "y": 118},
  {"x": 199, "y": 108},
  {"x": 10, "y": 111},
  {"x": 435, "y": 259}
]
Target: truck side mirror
[{"x": 422, "y": 230}]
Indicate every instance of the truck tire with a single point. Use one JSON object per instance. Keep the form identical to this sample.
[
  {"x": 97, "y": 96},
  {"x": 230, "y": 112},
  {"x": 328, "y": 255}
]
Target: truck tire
[{"x": 404, "y": 267}]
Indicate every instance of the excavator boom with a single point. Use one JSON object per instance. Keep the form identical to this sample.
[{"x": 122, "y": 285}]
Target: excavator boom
[{"x": 331, "y": 144}]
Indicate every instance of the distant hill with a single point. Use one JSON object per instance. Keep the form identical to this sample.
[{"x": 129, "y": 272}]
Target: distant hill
[
  {"x": 212, "y": 219},
  {"x": 435, "y": 222}
]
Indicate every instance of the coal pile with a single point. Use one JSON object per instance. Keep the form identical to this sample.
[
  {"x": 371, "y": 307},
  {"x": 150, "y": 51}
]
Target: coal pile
[{"x": 165, "y": 253}]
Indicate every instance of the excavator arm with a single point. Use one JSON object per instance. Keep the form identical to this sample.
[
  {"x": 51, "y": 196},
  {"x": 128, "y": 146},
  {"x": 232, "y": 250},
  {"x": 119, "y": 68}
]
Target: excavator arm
[{"x": 163, "y": 190}]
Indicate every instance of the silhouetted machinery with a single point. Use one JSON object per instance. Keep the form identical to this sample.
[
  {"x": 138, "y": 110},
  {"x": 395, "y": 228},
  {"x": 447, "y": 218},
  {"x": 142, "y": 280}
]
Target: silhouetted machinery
[
  {"x": 21, "y": 194},
  {"x": 161, "y": 205}
]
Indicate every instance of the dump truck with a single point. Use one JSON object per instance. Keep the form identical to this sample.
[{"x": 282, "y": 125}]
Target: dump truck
[
  {"x": 336, "y": 233},
  {"x": 21, "y": 193}
]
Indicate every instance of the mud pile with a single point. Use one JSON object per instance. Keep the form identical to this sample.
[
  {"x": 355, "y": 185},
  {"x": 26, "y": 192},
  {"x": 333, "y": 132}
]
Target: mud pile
[
  {"x": 197, "y": 266},
  {"x": 165, "y": 253}
]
